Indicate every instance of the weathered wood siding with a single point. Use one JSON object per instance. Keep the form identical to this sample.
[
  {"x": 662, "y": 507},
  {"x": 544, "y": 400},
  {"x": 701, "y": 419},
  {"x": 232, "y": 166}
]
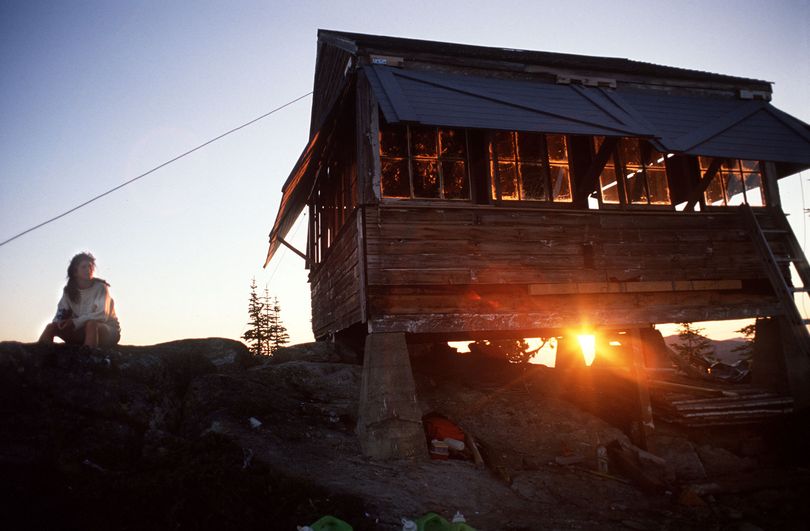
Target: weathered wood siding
[
  {"x": 336, "y": 287},
  {"x": 472, "y": 268}
]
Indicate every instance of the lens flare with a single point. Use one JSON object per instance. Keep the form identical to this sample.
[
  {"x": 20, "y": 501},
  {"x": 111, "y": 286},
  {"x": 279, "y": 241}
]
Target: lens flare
[{"x": 588, "y": 344}]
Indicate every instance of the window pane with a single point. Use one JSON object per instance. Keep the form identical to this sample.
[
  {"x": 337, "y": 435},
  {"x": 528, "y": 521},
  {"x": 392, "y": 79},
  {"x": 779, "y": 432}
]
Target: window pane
[
  {"x": 561, "y": 183},
  {"x": 393, "y": 141},
  {"x": 507, "y": 178},
  {"x": 610, "y": 188},
  {"x": 750, "y": 165},
  {"x": 453, "y": 143},
  {"x": 530, "y": 147},
  {"x": 634, "y": 184},
  {"x": 731, "y": 165},
  {"x": 493, "y": 191},
  {"x": 504, "y": 145},
  {"x": 734, "y": 188},
  {"x": 394, "y": 178},
  {"x": 657, "y": 183},
  {"x": 629, "y": 152},
  {"x": 423, "y": 141},
  {"x": 533, "y": 182},
  {"x": 753, "y": 188},
  {"x": 655, "y": 159},
  {"x": 705, "y": 162},
  {"x": 714, "y": 193},
  {"x": 456, "y": 184},
  {"x": 425, "y": 179},
  {"x": 557, "y": 151}
]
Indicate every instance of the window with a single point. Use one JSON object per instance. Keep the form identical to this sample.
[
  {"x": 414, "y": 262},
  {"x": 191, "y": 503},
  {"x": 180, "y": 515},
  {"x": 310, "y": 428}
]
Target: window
[
  {"x": 529, "y": 167},
  {"x": 334, "y": 198},
  {"x": 419, "y": 162},
  {"x": 635, "y": 174},
  {"x": 737, "y": 182}
]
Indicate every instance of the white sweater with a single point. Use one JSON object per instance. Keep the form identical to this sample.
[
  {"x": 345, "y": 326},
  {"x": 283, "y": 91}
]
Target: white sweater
[{"x": 94, "y": 304}]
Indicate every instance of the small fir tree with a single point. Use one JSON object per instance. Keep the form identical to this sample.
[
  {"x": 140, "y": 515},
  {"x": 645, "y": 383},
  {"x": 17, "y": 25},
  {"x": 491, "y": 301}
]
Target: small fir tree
[
  {"x": 277, "y": 335},
  {"x": 256, "y": 334},
  {"x": 746, "y": 350},
  {"x": 513, "y": 350},
  {"x": 268, "y": 319},
  {"x": 693, "y": 347}
]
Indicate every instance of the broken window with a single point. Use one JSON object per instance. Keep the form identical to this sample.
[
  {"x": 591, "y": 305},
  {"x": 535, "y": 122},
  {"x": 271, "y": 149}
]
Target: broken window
[
  {"x": 529, "y": 167},
  {"x": 423, "y": 162},
  {"x": 737, "y": 182},
  {"x": 635, "y": 174},
  {"x": 334, "y": 198}
]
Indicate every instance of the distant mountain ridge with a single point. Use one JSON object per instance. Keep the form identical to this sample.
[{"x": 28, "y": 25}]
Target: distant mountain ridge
[{"x": 723, "y": 349}]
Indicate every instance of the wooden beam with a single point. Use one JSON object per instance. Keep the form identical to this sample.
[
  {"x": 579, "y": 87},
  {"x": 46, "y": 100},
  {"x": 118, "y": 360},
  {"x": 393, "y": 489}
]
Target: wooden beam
[
  {"x": 634, "y": 287},
  {"x": 645, "y": 421},
  {"x": 697, "y": 193},
  {"x": 293, "y": 249},
  {"x": 769, "y": 181},
  {"x": 589, "y": 181},
  {"x": 367, "y": 140}
]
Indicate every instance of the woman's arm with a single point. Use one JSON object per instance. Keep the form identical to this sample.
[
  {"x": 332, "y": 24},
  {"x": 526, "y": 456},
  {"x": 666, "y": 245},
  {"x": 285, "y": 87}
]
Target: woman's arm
[{"x": 63, "y": 311}]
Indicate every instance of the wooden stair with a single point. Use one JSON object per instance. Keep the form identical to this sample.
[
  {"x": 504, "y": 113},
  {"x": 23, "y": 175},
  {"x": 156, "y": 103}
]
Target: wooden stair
[
  {"x": 779, "y": 248},
  {"x": 727, "y": 405}
]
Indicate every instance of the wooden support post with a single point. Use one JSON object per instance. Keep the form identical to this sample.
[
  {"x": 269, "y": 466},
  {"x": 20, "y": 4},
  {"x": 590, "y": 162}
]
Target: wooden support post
[
  {"x": 645, "y": 421},
  {"x": 769, "y": 178},
  {"x": 795, "y": 363},
  {"x": 389, "y": 422},
  {"x": 293, "y": 249},
  {"x": 591, "y": 178},
  {"x": 697, "y": 193}
]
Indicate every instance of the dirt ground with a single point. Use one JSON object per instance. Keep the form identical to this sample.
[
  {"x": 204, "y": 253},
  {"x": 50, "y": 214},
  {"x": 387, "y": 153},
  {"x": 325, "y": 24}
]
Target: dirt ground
[{"x": 203, "y": 436}]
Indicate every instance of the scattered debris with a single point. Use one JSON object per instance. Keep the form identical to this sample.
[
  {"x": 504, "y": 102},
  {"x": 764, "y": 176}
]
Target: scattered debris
[{"x": 569, "y": 459}]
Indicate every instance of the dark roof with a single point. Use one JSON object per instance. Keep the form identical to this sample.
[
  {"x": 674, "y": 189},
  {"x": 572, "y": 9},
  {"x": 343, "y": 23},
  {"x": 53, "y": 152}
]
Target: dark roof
[
  {"x": 438, "y": 98},
  {"x": 685, "y": 123},
  {"x": 358, "y": 43}
]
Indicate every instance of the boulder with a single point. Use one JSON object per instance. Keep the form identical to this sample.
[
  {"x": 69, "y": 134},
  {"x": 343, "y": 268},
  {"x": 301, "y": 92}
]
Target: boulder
[
  {"x": 680, "y": 456},
  {"x": 721, "y": 462}
]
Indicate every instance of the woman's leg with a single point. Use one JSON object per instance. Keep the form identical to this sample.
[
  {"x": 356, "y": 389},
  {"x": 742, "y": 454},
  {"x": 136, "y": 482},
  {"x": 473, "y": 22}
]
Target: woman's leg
[
  {"x": 98, "y": 334},
  {"x": 91, "y": 333},
  {"x": 68, "y": 334},
  {"x": 49, "y": 333}
]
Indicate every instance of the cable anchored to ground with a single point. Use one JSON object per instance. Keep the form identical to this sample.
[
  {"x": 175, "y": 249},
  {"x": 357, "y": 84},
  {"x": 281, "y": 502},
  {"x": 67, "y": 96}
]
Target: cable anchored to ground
[{"x": 163, "y": 165}]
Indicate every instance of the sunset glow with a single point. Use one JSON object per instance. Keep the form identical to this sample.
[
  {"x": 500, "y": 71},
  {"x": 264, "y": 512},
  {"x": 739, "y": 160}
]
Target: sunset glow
[{"x": 588, "y": 344}]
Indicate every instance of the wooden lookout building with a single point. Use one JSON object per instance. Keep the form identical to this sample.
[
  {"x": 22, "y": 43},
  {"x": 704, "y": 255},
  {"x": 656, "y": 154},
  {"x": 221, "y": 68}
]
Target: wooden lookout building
[{"x": 458, "y": 192}]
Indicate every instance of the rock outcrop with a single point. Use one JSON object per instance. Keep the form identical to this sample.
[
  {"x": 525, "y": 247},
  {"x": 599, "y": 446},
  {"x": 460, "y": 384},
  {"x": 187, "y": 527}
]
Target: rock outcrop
[{"x": 200, "y": 434}]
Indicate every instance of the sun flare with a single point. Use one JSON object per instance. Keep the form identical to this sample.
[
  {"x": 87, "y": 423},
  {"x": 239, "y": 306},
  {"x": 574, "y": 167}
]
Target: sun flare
[{"x": 588, "y": 344}]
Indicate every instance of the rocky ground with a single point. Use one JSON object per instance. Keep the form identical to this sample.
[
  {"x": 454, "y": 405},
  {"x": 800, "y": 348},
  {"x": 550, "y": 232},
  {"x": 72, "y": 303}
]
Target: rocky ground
[{"x": 199, "y": 434}]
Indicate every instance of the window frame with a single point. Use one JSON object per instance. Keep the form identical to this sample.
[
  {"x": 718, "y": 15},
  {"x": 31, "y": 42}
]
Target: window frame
[
  {"x": 620, "y": 168},
  {"x": 411, "y": 159},
  {"x": 494, "y": 194},
  {"x": 720, "y": 177},
  {"x": 334, "y": 200}
]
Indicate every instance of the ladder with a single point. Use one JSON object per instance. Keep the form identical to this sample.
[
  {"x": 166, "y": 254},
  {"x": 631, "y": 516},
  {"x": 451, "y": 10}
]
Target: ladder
[{"x": 778, "y": 248}]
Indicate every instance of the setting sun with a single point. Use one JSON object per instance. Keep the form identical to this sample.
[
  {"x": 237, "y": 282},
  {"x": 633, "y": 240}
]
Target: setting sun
[{"x": 588, "y": 344}]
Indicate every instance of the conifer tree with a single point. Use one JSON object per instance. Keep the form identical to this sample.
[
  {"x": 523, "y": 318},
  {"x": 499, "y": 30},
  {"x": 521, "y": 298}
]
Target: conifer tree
[
  {"x": 276, "y": 331},
  {"x": 267, "y": 312},
  {"x": 693, "y": 347},
  {"x": 513, "y": 350},
  {"x": 746, "y": 350},
  {"x": 256, "y": 334}
]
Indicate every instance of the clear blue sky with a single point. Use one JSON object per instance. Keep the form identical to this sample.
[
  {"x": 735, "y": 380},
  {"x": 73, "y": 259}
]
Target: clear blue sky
[{"x": 93, "y": 93}]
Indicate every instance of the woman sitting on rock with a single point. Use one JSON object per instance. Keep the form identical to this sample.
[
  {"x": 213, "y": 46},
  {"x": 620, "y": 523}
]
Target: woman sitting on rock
[{"x": 86, "y": 314}]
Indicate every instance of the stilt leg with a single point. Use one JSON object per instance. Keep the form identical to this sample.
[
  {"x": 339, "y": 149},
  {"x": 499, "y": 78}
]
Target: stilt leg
[{"x": 389, "y": 419}]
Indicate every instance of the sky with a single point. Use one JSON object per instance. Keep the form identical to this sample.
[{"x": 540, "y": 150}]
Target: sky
[{"x": 95, "y": 93}]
